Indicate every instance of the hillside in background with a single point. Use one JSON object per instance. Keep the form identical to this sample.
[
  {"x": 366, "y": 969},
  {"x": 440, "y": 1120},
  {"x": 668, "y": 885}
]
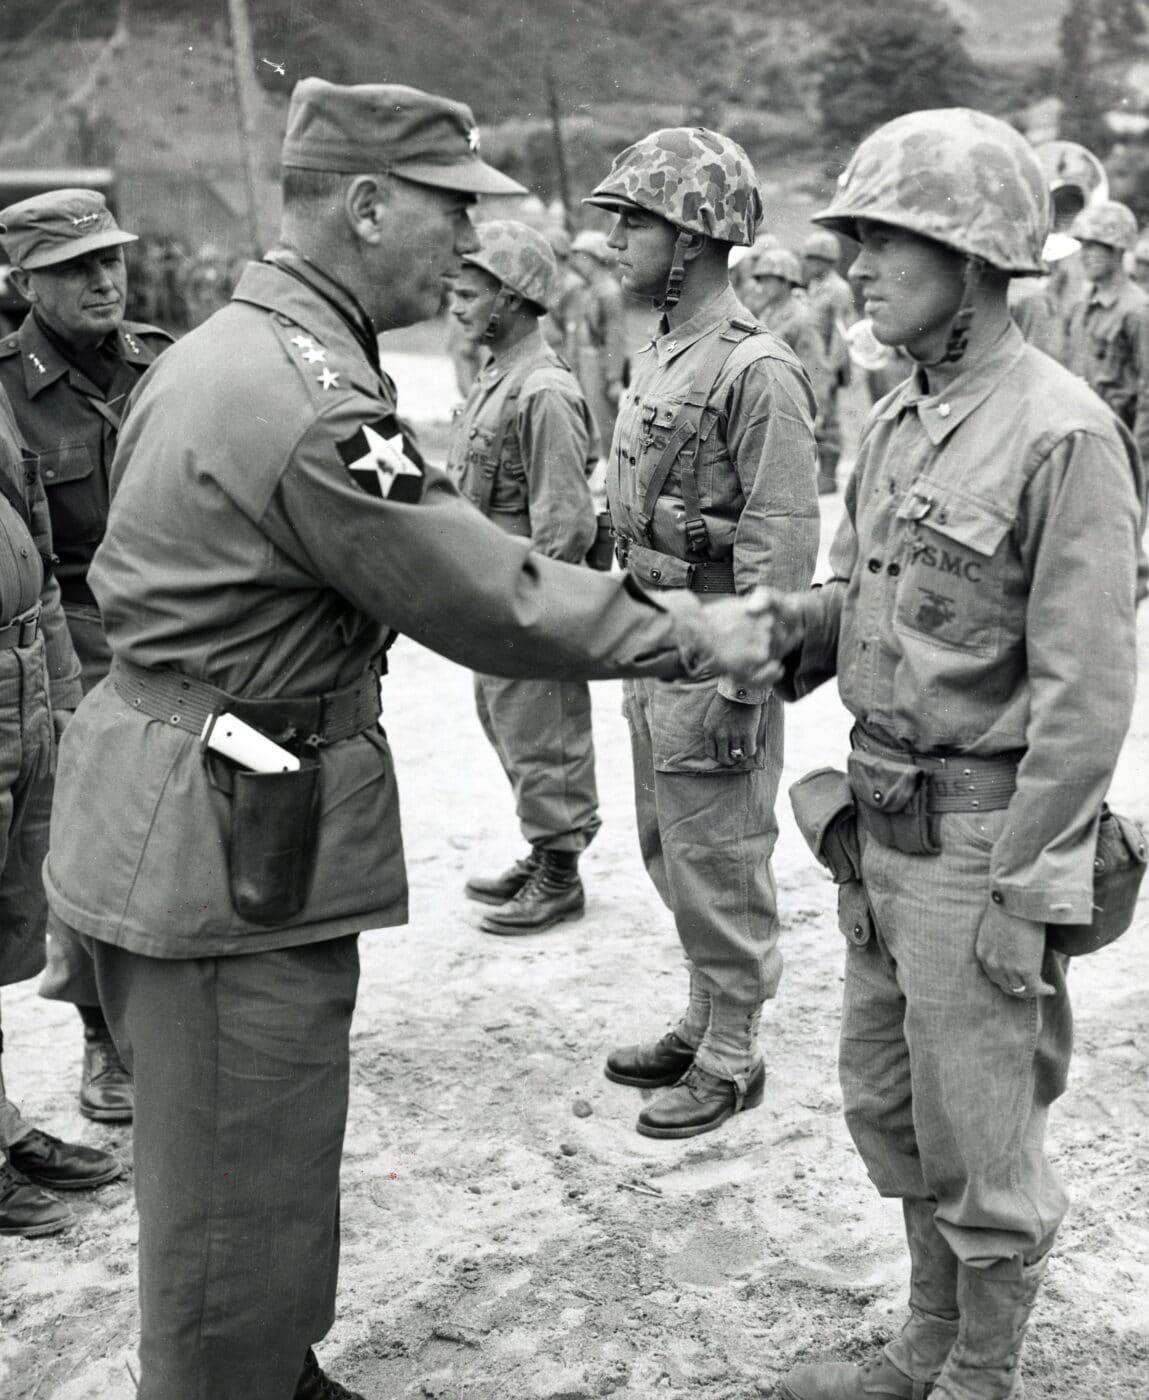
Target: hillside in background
[{"x": 158, "y": 103}]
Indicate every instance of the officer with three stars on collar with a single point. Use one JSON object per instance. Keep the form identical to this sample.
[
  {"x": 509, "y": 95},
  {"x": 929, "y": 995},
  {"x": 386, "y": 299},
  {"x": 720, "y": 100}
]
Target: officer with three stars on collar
[
  {"x": 271, "y": 523},
  {"x": 68, "y": 371}
]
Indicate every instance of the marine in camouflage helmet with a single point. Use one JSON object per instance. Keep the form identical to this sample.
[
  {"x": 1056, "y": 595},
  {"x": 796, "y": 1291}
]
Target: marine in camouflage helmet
[
  {"x": 698, "y": 180},
  {"x": 779, "y": 262},
  {"x": 1110, "y": 223},
  {"x": 960, "y": 177},
  {"x": 822, "y": 244},
  {"x": 519, "y": 257}
]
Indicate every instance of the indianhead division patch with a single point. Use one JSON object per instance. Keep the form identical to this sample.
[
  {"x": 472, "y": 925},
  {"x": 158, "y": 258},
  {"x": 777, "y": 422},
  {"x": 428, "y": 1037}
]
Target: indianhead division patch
[{"x": 383, "y": 461}]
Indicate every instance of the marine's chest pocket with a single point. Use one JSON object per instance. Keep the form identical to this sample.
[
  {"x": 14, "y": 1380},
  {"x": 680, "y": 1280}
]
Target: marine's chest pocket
[
  {"x": 75, "y": 497},
  {"x": 948, "y": 571}
]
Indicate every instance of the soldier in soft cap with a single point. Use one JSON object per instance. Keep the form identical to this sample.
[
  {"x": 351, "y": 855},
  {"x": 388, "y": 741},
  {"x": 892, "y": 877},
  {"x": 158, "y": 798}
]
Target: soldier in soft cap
[
  {"x": 272, "y": 526},
  {"x": 521, "y": 451},
  {"x": 991, "y": 522},
  {"x": 68, "y": 371}
]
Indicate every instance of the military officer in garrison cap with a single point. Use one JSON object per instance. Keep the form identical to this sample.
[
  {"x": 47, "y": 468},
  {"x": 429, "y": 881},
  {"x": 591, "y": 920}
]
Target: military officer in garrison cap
[
  {"x": 268, "y": 533},
  {"x": 68, "y": 371}
]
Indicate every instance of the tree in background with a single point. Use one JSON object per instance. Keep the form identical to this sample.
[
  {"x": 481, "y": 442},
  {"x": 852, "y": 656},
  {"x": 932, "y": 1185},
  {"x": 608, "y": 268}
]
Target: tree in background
[
  {"x": 1096, "y": 41},
  {"x": 888, "y": 57}
]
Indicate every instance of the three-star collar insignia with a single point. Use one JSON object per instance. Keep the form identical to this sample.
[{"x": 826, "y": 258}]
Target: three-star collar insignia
[
  {"x": 383, "y": 462},
  {"x": 312, "y": 353}
]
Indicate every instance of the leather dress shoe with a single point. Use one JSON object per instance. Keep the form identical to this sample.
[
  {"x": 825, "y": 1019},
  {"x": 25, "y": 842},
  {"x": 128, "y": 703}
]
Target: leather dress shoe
[
  {"x": 316, "y": 1384},
  {"x": 107, "y": 1094},
  {"x": 28, "y": 1211},
  {"x": 497, "y": 889},
  {"x": 650, "y": 1066},
  {"x": 701, "y": 1102},
  {"x": 876, "y": 1379},
  {"x": 64, "y": 1166}
]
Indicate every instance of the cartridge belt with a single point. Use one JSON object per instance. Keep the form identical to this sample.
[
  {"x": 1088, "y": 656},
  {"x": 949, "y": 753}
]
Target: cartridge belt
[
  {"x": 187, "y": 704},
  {"x": 655, "y": 569},
  {"x": 954, "y": 783}
]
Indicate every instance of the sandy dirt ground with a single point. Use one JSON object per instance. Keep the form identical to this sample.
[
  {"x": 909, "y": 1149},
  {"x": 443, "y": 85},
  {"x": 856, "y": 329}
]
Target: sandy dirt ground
[{"x": 507, "y": 1234}]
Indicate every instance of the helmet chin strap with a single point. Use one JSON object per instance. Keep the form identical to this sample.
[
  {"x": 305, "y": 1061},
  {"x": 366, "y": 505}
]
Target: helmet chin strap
[
  {"x": 958, "y": 337},
  {"x": 495, "y": 319},
  {"x": 676, "y": 277}
]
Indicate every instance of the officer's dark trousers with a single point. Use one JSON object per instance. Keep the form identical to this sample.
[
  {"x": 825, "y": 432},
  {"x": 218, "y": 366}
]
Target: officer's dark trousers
[{"x": 241, "y": 1074}]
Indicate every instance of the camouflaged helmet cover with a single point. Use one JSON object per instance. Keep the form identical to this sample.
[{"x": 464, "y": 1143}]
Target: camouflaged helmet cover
[
  {"x": 822, "y": 244},
  {"x": 1067, "y": 163},
  {"x": 519, "y": 257},
  {"x": 697, "y": 180},
  {"x": 1110, "y": 223},
  {"x": 779, "y": 262},
  {"x": 960, "y": 177}
]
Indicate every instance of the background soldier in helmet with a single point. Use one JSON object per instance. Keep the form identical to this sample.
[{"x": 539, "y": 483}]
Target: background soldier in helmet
[
  {"x": 832, "y": 304},
  {"x": 600, "y": 335},
  {"x": 778, "y": 299},
  {"x": 68, "y": 371},
  {"x": 991, "y": 522},
  {"x": 710, "y": 481},
  {"x": 521, "y": 451},
  {"x": 1107, "y": 332},
  {"x": 1041, "y": 305}
]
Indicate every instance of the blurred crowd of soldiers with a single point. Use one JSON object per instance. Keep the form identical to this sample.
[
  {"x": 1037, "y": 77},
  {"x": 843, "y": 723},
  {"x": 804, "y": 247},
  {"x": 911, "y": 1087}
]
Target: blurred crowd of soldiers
[{"x": 172, "y": 286}]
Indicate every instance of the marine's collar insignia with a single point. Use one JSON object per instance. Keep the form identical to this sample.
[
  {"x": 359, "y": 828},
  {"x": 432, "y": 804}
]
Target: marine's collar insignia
[
  {"x": 37, "y": 361},
  {"x": 383, "y": 462},
  {"x": 328, "y": 379}
]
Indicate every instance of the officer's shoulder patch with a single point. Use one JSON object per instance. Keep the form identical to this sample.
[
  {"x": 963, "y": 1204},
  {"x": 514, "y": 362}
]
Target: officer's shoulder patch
[{"x": 382, "y": 460}]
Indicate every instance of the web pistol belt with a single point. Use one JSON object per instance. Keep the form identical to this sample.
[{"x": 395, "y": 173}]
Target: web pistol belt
[
  {"x": 953, "y": 783},
  {"x": 187, "y": 704},
  {"x": 654, "y": 569},
  {"x": 22, "y": 631}
]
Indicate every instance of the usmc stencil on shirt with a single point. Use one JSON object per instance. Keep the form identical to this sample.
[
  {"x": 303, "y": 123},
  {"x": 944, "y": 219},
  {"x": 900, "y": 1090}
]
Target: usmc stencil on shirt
[{"x": 383, "y": 461}]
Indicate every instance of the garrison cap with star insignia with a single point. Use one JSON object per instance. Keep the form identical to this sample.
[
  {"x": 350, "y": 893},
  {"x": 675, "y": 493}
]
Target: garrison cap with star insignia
[
  {"x": 384, "y": 128},
  {"x": 383, "y": 461},
  {"x": 58, "y": 226}
]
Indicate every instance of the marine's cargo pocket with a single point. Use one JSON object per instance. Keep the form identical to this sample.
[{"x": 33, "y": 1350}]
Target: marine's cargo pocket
[{"x": 273, "y": 842}]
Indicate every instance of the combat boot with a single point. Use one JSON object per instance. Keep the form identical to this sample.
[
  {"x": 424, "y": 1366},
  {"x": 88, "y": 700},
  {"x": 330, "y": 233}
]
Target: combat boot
[
  {"x": 995, "y": 1305},
  {"x": 26, "y": 1210},
  {"x": 497, "y": 889},
  {"x": 650, "y": 1066},
  {"x": 909, "y": 1366},
  {"x": 701, "y": 1102},
  {"x": 553, "y": 893},
  {"x": 315, "y": 1384},
  {"x": 827, "y": 472},
  {"x": 107, "y": 1094}
]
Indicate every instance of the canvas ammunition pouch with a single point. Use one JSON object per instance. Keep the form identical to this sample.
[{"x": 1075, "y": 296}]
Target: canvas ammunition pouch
[
  {"x": 826, "y": 815},
  {"x": 274, "y": 828},
  {"x": 1118, "y": 869}
]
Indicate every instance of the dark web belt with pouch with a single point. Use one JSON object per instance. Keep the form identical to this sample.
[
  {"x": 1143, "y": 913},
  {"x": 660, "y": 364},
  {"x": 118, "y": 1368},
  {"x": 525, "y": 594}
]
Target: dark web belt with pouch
[{"x": 274, "y": 814}]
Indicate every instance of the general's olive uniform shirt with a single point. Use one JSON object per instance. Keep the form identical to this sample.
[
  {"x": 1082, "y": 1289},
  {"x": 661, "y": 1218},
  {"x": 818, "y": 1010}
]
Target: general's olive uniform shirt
[
  {"x": 982, "y": 600},
  {"x": 526, "y": 405},
  {"x": 756, "y": 474},
  {"x": 270, "y": 523},
  {"x": 70, "y": 423}
]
